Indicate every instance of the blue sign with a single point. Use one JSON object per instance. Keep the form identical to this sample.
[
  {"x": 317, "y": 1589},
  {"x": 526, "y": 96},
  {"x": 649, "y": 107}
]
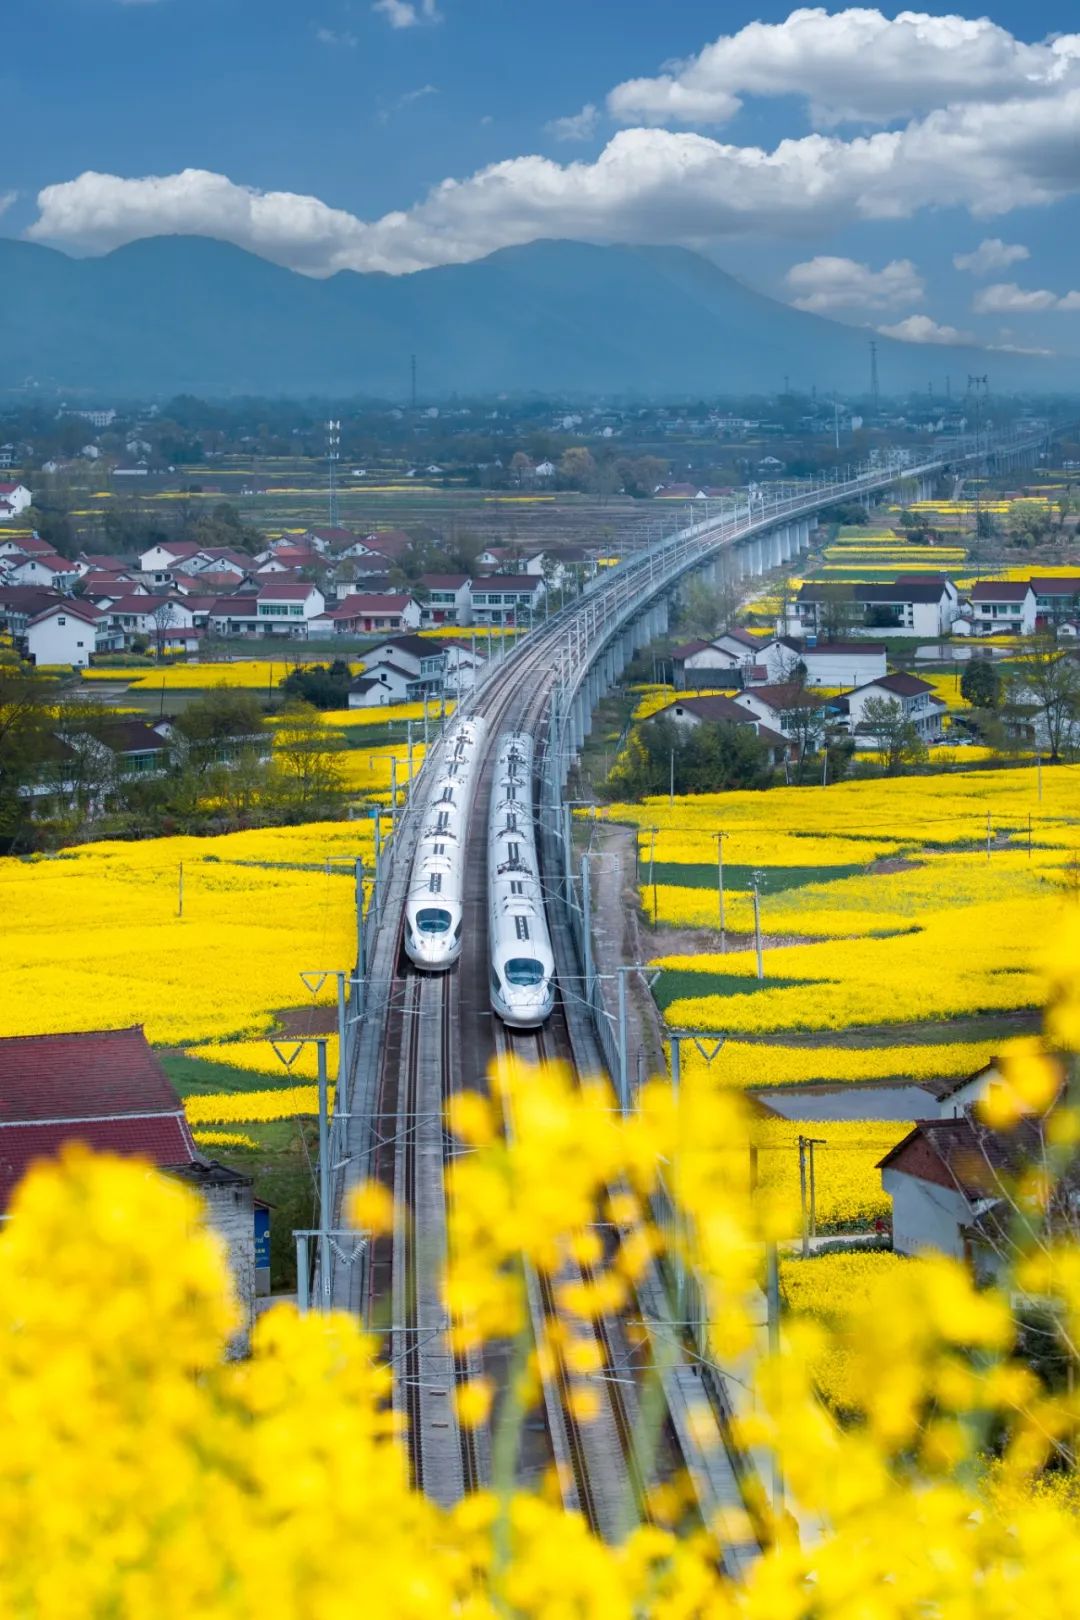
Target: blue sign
[{"x": 262, "y": 1239}]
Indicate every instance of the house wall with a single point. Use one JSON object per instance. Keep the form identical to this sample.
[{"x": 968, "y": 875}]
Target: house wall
[
  {"x": 54, "y": 642},
  {"x": 843, "y": 669},
  {"x": 926, "y": 1217},
  {"x": 230, "y": 1211}
]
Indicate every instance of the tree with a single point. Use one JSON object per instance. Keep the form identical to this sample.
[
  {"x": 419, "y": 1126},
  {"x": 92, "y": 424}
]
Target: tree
[
  {"x": 709, "y": 758},
  {"x": 324, "y": 686},
  {"x": 163, "y": 616},
  {"x": 221, "y": 725},
  {"x": 895, "y": 735},
  {"x": 26, "y": 743},
  {"x": 577, "y": 469},
  {"x": 1048, "y": 680},
  {"x": 980, "y": 684},
  {"x": 307, "y": 775}
]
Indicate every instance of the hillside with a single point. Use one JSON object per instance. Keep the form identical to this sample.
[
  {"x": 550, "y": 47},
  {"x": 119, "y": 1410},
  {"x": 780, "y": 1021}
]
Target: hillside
[{"x": 177, "y": 314}]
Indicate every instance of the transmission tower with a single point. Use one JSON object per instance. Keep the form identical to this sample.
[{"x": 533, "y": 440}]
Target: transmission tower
[
  {"x": 875, "y": 390},
  {"x": 978, "y": 389},
  {"x": 333, "y": 454}
]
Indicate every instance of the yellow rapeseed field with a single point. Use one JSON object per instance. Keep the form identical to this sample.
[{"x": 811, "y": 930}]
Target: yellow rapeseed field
[
  {"x": 92, "y": 938},
  {"x": 254, "y": 674},
  {"x": 848, "y": 1189}
]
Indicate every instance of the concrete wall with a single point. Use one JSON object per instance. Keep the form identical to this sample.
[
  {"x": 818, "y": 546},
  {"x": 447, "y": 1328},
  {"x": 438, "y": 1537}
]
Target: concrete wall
[
  {"x": 230, "y": 1210},
  {"x": 926, "y": 1217}
]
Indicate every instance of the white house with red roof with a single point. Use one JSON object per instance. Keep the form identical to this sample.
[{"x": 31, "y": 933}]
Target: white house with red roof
[
  {"x": 166, "y": 555},
  {"x": 507, "y": 598},
  {"x": 1002, "y": 605},
  {"x": 360, "y": 614},
  {"x": 45, "y": 568},
  {"x": 449, "y": 598},
  {"x": 104, "y": 1088},
  {"x": 14, "y": 499},
  {"x": 65, "y": 632},
  {"x": 916, "y": 699}
]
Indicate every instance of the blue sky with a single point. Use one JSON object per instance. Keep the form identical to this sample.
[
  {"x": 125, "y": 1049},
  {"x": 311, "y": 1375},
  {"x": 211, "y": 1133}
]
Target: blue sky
[{"x": 925, "y": 143}]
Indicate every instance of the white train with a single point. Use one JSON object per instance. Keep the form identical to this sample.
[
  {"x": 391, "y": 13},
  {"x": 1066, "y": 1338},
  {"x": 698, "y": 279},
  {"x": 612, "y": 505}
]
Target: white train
[
  {"x": 522, "y": 964},
  {"x": 433, "y": 906}
]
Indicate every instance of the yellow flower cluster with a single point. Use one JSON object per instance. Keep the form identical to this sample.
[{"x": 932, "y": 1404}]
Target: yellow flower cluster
[
  {"x": 346, "y": 719},
  {"x": 255, "y": 674},
  {"x": 93, "y": 938},
  {"x": 826, "y": 1288},
  {"x": 225, "y": 1139},
  {"x": 252, "y": 1107},
  {"x": 752, "y": 1064},
  {"x": 847, "y": 1184},
  {"x": 370, "y": 770},
  {"x": 260, "y": 1057}
]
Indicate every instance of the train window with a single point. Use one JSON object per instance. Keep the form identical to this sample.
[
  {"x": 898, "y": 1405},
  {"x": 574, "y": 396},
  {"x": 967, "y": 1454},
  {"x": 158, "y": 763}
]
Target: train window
[
  {"x": 442, "y": 821},
  {"x": 436, "y": 882},
  {"x": 516, "y": 886},
  {"x": 511, "y": 793},
  {"x": 513, "y": 851},
  {"x": 438, "y": 849},
  {"x": 432, "y": 920},
  {"x": 521, "y": 927},
  {"x": 524, "y": 971}
]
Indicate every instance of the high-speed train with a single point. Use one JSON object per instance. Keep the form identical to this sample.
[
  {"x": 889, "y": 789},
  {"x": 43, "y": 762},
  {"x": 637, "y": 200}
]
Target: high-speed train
[
  {"x": 522, "y": 964},
  {"x": 433, "y": 905}
]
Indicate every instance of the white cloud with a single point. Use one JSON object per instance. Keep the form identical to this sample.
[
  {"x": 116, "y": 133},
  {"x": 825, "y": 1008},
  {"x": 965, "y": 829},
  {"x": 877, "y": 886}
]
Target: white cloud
[
  {"x": 6, "y": 200},
  {"x": 825, "y": 283},
  {"x": 852, "y": 65},
  {"x": 339, "y": 39},
  {"x": 407, "y": 13},
  {"x": 1006, "y": 298},
  {"x": 579, "y": 126},
  {"x": 646, "y": 185},
  {"x": 410, "y": 96},
  {"x": 921, "y": 329},
  {"x": 991, "y": 254}
]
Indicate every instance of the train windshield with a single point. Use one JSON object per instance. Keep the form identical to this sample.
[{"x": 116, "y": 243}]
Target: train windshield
[
  {"x": 523, "y": 970},
  {"x": 432, "y": 920}
]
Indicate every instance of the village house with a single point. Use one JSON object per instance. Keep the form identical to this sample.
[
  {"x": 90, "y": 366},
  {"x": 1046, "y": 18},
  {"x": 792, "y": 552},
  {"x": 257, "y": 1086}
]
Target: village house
[
  {"x": 48, "y": 569},
  {"x": 287, "y": 608},
  {"x": 1057, "y": 601},
  {"x": 688, "y": 713},
  {"x": 64, "y": 632},
  {"x": 1000, "y": 606},
  {"x": 107, "y": 1089},
  {"x": 788, "y": 709},
  {"x": 827, "y": 663},
  {"x": 361, "y": 614},
  {"x": 14, "y": 500},
  {"x": 507, "y": 598},
  {"x": 422, "y": 662},
  {"x": 918, "y": 605},
  {"x": 916, "y": 698},
  {"x": 449, "y": 598}
]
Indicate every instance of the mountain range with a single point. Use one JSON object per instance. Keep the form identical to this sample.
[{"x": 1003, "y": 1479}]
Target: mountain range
[{"x": 178, "y": 314}]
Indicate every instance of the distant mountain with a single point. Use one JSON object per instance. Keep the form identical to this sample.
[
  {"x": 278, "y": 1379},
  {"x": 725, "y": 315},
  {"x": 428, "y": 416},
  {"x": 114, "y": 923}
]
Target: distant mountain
[{"x": 185, "y": 314}]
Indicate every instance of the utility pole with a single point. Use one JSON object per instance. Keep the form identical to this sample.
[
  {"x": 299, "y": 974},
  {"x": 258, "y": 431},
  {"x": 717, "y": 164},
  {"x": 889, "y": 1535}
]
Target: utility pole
[
  {"x": 757, "y": 926},
  {"x": 671, "y": 780},
  {"x": 333, "y": 453},
  {"x": 875, "y": 390},
  {"x": 772, "y": 1297},
  {"x": 180, "y": 891},
  {"x": 808, "y": 1183},
  {"x": 719, "y": 836},
  {"x": 652, "y": 869}
]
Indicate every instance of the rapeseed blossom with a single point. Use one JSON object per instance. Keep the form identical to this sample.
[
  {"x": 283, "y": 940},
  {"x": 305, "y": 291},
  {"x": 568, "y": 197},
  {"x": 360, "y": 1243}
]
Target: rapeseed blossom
[
  {"x": 253, "y": 1107},
  {"x": 93, "y": 937}
]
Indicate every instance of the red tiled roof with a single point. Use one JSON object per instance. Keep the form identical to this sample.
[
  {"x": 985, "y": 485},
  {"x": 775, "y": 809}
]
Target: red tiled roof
[
  {"x": 78, "y": 610},
  {"x": 95, "y": 1073},
  {"x": 902, "y": 684},
  {"x": 164, "y": 1139},
  {"x": 354, "y": 605},
  {"x": 511, "y": 582},
  {"x": 285, "y": 591},
  {"x": 1068, "y": 585},
  {"x": 1000, "y": 590}
]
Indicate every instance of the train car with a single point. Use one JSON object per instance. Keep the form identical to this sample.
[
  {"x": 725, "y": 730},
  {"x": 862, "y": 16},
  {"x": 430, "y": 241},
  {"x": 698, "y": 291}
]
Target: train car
[
  {"x": 522, "y": 963},
  {"x": 433, "y": 907}
]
